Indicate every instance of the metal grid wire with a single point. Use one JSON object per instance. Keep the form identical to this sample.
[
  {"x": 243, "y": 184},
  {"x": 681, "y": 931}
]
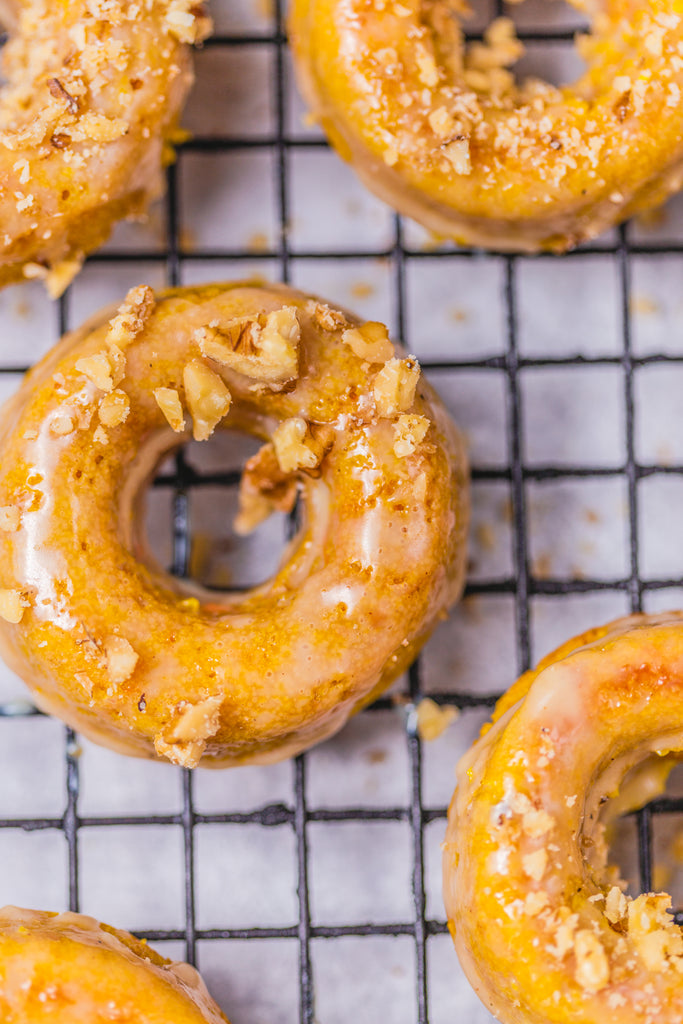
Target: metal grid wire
[{"x": 522, "y": 583}]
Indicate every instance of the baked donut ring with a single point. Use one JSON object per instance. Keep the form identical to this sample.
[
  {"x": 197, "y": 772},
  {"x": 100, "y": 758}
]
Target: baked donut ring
[
  {"x": 145, "y": 663},
  {"x": 64, "y": 968},
  {"x": 444, "y": 135},
  {"x": 542, "y": 928},
  {"x": 88, "y": 113}
]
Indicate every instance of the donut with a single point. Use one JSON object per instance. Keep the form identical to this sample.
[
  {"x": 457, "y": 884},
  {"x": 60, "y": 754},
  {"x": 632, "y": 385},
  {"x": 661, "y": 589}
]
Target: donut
[
  {"x": 541, "y": 923},
  {"x": 442, "y": 132},
  {"x": 152, "y": 665},
  {"x": 66, "y": 968},
  {"x": 90, "y": 101}
]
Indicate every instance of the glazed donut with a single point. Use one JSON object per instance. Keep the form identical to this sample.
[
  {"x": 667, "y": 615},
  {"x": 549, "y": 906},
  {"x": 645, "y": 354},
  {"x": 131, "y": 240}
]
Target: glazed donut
[
  {"x": 443, "y": 134},
  {"x": 67, "y": 968},
  {"x": 149, "y": 664},
  {"x": 92, "y": 93},
  {"x": 542, "y": 926}
]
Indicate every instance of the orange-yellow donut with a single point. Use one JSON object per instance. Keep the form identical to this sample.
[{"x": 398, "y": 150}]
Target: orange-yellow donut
[
  {"x": 145, "y": 663},
  {"x": 70, "y": 969},
  {"x": 542, "y": 928},
  {"x": 444, "y": 134},
  {"x": 88, "y": 113}
]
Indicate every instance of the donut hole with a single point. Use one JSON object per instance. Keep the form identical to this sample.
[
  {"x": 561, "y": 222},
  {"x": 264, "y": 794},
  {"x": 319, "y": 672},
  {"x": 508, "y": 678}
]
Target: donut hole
[{"x": 217, "y": 558}]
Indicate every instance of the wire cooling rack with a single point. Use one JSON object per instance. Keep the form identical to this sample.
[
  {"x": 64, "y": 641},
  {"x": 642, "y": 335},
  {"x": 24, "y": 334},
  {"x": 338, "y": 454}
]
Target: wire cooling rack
[{"x": 309, "y": 891}]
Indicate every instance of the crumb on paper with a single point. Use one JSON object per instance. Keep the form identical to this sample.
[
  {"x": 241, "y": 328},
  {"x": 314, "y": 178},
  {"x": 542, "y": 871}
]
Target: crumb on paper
[
  {"x": 12, "y": 604},
  {"x": 409, "y": 431},
  {"x": 370, "y": 341},
  {"x": 433, "y": 719},
  {"x": 485, "y": 536},
  {"x": 10, "y": 518},
  {"x": 169, "y": 402},
  {"x": 394, "y": 386},
  {"x": 362, "y": 290},
  {"x": 644, "y": 305},
  {"x": 207, "y": 397},
  {"x": 121, "y": 658}
]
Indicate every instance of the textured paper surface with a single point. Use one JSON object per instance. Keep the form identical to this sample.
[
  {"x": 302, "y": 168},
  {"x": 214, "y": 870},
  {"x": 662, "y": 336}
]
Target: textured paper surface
[{"x": 133, "y": 874}]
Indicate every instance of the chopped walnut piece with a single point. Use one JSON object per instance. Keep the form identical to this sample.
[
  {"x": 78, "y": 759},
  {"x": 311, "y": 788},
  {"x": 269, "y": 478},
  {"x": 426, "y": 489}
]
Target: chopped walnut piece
[
  {"x": 121, "y": 658},
  {"x": 101, "y": 436},
  {"x": 394, "y": 387},
  {"x": 98, "y": 369},
  {"x": 299, "y": 445},
  {"x": 12, "y": 604},
  {"x": 457, "y": 152},
  {"x": 196, "y": 721},
  {"x": 263, "y": 348},
  {"x": 441, "y": 122},
  {"x": 62, "y": 423},
  {"x": 168, "y": 401},
  {"x": 185, "y": 741},
  {"x": 264, "y": 489},
  {"x": 653, "y": 931},
  {"x": 370, "y": 341},
  {"x": 132, "y": 316},
  {"x": 10, "y": 518},
  {"x": 615, "y": 905},
  {"x": 207, "y": 397},
  {"x": 325, "y": 317},
  {"x": 534, "y": 864},
  {"x": 187, "y": 21},
  {"x": 500, "y": 48},
  {"x": 409, "y": 431},
  {"x": 433, "y": 720},
  {"x": 592, "y": 966},
  {"x": 535, "y": 902},
  {"x": 114, "y": 409}
]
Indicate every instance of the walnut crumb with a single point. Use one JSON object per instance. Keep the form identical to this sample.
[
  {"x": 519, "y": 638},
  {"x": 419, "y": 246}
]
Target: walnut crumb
[
  {"x": 325, "y": 317},
  {"x": 394, "y": 387},
  {"x": 114, "y": 409},
  {"x": 61, "y": 424},
  {"x": 10, "y": 518},
  {"x": 207, "y": 397},
  {"x": 120, "y": 657},
  {"x": 98, "y": 369},
  {"x": 592, "y": 966},
  {"x": 409, "y": 431},
  {"x": 196, "y": 721},
  {"x": 12, "y": 604},
  {"x": 59, "y": 277},
  {"x": 299, "y": 445},
  {"x": 370, "y": 341},
  {"x": 534, "y": 864},
  {"x": 264, "y": 348},
  {"x": 169, "y": 402},
  {"x": 132, "y": 316},
  {"x": 433, "y": 720},
  {"x": 100, "y": 436},
  {"x": 654, "y": 933},
  {"x": 264, "y": 489},
  {"x": 457, "y": 152},
  {"x": 615, "y": 905},
  {"x": 536, "y": 824}
]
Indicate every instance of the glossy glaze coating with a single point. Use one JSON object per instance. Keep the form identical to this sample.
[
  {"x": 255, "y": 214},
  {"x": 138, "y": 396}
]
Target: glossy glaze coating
[
  {"x": 444, "y": 134},
  {"x": 70, "y": 969},
  {"x": 142, "y": 662},
  {"x": 541, "y": 925},
  {"x": 88, "y": 113}
]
